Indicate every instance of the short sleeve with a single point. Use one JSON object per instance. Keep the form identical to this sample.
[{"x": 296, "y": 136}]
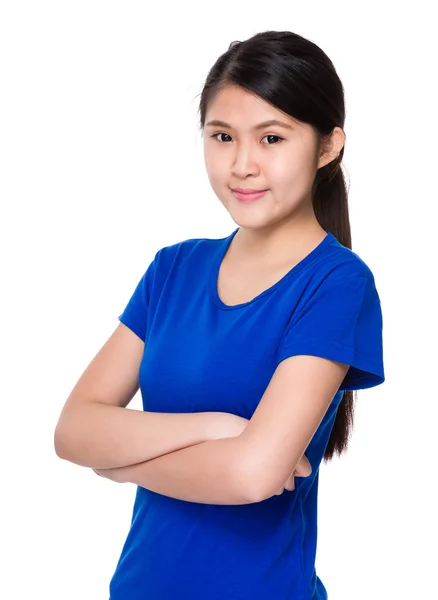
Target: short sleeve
[
  {"x": 135, "y": 313},
  {"x": 341, "y": 321}
]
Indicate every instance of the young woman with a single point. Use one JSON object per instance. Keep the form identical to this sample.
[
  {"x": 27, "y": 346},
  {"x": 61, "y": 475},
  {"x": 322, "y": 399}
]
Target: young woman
[{"x": 246, "y": 349}]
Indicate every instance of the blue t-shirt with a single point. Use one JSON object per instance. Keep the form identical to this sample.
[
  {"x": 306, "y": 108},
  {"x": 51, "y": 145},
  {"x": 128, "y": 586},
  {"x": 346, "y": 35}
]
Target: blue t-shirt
[{"x": 203, "y": 355}]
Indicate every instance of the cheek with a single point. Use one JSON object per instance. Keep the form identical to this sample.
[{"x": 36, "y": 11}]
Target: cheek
[
  {"x": 209, "y": 159},
  {"x": 285, "y": 170},
  {"x": 282, "y": 172},
  {"x": 217, "y": 170}
]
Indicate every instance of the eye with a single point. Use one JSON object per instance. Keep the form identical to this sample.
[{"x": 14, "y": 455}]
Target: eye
[
  {"x": 271, "y": 135},
  {"x": 216, "y": 134}
]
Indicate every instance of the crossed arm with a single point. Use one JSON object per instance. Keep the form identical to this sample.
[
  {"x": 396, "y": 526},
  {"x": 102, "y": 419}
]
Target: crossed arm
[
  {"x": 246, "y": 468},
  {"x": 208, "y": 473},
  {"x": 254, "y": 465},
  {"x": 205, "y": 472}
]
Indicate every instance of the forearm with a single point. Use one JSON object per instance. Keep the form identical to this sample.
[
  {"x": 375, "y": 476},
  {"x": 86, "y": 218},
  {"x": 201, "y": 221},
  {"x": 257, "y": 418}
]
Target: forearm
[
  {"x": 208, "y": 473},
  {"x": 100, "y": 436}
]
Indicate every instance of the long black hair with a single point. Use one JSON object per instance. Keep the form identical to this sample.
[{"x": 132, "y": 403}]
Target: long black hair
[{"x": 297, "y": 77}]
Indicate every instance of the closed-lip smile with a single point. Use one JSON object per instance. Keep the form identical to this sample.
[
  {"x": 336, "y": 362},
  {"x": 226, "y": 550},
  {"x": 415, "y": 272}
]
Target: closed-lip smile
[{"x": 246, "y": 190}]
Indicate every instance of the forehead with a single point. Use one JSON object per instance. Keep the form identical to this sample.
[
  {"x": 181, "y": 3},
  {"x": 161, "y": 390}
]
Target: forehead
[{"x": 236, "y": 106}]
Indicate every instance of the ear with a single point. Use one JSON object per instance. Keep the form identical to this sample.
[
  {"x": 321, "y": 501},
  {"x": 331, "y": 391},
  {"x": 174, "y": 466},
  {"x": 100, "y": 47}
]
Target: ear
[{"x": 331, "y": 147}]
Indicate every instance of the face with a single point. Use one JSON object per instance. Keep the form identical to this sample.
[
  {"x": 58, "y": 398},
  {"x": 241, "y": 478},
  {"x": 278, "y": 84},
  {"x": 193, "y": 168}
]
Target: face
[{"x": 240, "y": 153}]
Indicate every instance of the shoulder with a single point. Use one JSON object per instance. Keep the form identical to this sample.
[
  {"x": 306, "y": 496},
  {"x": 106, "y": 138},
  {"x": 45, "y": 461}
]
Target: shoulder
[
  {"x": 171, "y": 259},
  {"x": 340, "y": 262},
  {"x": 182, "y": 249}
]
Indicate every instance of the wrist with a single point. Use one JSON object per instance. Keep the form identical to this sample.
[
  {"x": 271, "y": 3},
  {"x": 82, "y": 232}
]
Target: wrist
[
  {"x": 216, "y": 425},
  {"x": 220, "y": 425}
]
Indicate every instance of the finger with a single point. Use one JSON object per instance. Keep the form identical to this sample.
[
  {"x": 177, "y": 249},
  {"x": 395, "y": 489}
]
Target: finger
[
  {"x": 303, "y": 468},
  {"x": 290, "y": 484}
]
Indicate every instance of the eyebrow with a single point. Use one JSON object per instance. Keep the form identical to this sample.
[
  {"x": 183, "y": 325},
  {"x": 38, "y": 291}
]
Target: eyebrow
[{"x": 217, "y": 123}]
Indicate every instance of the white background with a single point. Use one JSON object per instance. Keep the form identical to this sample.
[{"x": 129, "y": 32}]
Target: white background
[{"x": 101, "y": 166}]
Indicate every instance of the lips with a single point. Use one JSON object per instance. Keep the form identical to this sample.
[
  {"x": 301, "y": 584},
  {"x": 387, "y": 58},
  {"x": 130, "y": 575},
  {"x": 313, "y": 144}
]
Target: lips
[
  {"x": 248, "y": 195},
  {"x": 247, "y": 190}
]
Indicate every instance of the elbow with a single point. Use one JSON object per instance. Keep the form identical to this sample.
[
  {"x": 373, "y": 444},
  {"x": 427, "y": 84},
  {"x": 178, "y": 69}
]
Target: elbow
[
  {"x": 251, "y": 480},
  {"x": 64, "y": 441},
  {"x": 258, "y": 490},
  {"x": 252, "y": 490},
  {"x": 59, "y": 443},
  {"x": 72, "y": 437},
  {"x": 258, "y": 481},
  {"x": 261, "y": 488}
]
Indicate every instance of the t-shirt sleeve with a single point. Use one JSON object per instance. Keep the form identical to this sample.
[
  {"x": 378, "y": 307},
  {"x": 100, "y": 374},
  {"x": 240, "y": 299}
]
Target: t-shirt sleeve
[
  {"x": 135, "y": 313},
  {"x": 341, "y": 321}
]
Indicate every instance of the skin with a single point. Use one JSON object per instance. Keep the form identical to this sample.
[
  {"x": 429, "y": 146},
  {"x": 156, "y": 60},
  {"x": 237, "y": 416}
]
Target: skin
[
  {"x": 230, "y": 427},
  {"x": 281, "y": 225}
]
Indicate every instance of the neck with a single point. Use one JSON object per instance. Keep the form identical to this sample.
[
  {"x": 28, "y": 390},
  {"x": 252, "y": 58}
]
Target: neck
[{"x": 277, "y": 242}]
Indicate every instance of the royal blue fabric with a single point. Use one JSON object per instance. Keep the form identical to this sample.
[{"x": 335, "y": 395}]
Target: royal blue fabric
[{"x": 203, "y": 355}]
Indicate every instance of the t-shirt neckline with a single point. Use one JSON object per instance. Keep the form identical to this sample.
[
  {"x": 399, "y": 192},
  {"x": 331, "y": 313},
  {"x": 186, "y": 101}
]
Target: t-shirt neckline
[{"x": 220, "y": 254}]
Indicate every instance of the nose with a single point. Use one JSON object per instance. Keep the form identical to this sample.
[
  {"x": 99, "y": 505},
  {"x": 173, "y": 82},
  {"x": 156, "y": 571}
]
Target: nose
[{"x": 244, "y": 163}]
